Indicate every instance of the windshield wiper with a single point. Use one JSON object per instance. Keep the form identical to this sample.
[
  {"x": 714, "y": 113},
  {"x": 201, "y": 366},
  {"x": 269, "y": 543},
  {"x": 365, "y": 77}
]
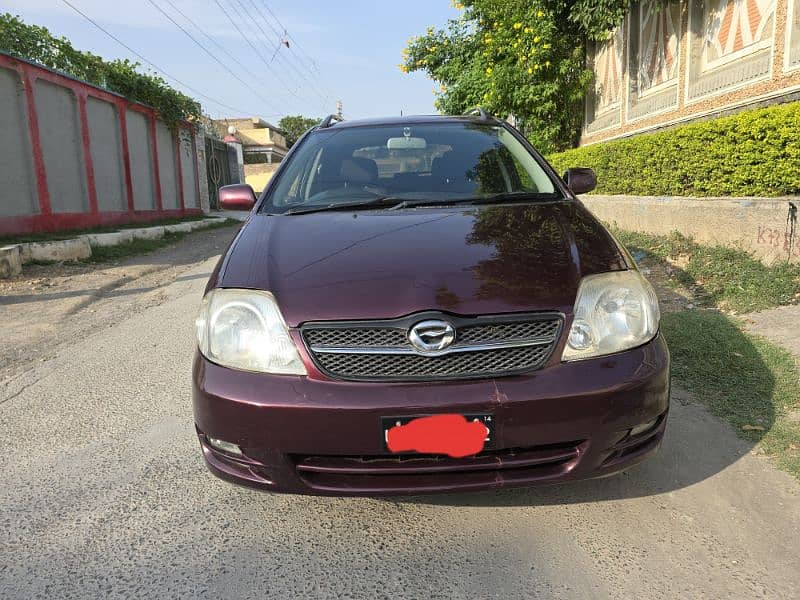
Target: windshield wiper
[
  {"x": 373, "y": 203},
  {"x": 488, "y": 199},
  {"x": 396, "y": 203}
]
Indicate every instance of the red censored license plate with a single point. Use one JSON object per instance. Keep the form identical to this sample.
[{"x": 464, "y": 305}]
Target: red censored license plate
[{"x": 455, "y": 435}]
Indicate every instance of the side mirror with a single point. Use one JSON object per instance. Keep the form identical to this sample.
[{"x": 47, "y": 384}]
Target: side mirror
[
  {"x": 238, "y": 196},
  {"x": 580, "y": 180}
]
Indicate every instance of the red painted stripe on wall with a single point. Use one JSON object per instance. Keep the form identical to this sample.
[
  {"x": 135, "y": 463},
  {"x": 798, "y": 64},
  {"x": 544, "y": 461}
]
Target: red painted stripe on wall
[{"x": 45, "y": 220}]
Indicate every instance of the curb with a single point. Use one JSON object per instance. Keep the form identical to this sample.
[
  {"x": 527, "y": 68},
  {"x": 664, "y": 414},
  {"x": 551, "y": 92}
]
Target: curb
[
  {"x": 147, "y": 233},
  {"x": 10, "y": 261},
  {"x": 13, "y": 257},
  {"x": 61, "y": 250},
  {"x": 102, "y": 240}
]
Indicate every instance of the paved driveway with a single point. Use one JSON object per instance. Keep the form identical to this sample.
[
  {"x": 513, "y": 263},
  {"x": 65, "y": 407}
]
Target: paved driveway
[{"x": 104, "y": 495}]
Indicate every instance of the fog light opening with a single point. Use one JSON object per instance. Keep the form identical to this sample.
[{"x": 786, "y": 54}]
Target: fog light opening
[
  {"x": 644, "y": 427},
  {"x": 224, "y": 446}
]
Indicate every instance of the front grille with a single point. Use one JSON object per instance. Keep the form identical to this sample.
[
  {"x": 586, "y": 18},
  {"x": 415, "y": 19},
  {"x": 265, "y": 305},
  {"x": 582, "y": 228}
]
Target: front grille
[
  {"x": 429, "y": 472},
  {"x": 509, "y": 331},
  {"x": 483, "y": 347},
  {"x": 462, "y": 364},
  {"x": 358, "y": 338}
]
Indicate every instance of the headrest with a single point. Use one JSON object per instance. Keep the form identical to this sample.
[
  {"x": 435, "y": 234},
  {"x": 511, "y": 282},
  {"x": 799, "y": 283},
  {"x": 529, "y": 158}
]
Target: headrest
[
  {"x": 359, "y": 169},
  {"x": 452, "y": 171}
]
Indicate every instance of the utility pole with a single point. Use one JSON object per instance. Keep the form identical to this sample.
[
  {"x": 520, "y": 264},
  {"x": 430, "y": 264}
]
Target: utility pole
[{"x": 339, "y": 108}]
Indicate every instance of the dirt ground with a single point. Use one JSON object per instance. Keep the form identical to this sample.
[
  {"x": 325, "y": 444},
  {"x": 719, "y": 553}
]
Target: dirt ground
[
  {"x": 48, "y": 305},
  {"x": 672, "y": 296},
  {"x": 779, "y": 325}
]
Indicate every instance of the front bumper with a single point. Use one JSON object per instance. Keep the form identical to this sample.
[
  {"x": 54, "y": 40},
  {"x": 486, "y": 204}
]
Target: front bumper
[{"x": 568, "y": 421}]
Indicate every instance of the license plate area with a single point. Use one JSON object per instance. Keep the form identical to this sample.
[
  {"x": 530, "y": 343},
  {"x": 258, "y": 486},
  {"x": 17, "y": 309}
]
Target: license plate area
[{"x": 486, "y": 419}]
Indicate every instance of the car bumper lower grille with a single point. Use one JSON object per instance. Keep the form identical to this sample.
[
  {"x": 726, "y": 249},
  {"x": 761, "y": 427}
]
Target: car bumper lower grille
[
  {"x": 431, "y": 472},
  {"x": 489, "y": 346}
]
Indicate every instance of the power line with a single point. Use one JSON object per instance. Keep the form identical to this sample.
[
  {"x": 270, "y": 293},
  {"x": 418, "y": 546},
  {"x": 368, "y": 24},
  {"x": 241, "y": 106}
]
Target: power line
[
  {"x": 281, "y": 38},
  {"x": 299, "y": 47},
  {"x": 151, "y": 63},
  {"x": 209, "y": 37},
  {"x": 255, "y": 22},
  {"x": 211, "y": 54},
  {"x": 250, "y": 43},
  {"x": 261, "y": 29},
  {"x": 295, "y": 45}
]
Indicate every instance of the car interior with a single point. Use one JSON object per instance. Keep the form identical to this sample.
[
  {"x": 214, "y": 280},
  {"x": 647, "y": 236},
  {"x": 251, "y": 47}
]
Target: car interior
[{"x": 444, "y": 162}]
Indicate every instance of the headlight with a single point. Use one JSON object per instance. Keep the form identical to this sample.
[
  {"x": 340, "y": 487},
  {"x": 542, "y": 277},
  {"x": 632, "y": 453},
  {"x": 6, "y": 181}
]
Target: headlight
[
  {"x": 244, "y": 329},
  {"x": 613, "y": 312}
]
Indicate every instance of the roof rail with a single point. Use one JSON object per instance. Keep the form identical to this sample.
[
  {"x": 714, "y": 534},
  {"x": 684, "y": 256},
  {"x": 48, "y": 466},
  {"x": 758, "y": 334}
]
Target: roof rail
[
  {"x": 479, "y": 112},
  {"x": 328, "y": 121}
]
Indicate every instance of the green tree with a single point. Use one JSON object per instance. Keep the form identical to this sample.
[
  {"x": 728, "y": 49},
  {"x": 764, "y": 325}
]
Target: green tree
[
  {"x": 520, "y": 57},
  {"x": 295, "y": 126}
]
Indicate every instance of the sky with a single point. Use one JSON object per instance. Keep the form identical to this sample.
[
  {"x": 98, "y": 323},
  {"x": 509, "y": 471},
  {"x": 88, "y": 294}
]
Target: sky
[{"x": 344, "y": 50}]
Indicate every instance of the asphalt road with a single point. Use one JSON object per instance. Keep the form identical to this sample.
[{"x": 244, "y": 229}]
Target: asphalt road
[{"x": 104, "y": 495}]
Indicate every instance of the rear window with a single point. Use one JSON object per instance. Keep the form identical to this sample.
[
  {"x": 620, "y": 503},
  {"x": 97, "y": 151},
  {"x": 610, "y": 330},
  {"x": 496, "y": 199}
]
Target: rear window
[{"x": 422, "y": 161}]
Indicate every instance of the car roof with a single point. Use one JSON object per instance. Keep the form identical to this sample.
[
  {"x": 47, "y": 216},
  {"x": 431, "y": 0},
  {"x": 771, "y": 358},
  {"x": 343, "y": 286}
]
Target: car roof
[{"x": 415, "y": 119}]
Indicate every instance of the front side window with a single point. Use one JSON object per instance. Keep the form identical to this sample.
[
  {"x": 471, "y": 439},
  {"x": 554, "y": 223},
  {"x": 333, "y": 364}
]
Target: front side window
[{"x": 424, "y": 161}]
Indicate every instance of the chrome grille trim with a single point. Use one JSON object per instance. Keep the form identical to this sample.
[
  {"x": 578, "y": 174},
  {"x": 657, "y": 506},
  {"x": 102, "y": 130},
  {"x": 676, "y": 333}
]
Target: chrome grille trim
[
  {"x": 379, "y": 350},
  {"x": 450, "y": 350}
]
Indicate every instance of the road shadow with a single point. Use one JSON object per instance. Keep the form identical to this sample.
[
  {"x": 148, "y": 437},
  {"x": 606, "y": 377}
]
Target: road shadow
[{"x": 696, "y": 446}]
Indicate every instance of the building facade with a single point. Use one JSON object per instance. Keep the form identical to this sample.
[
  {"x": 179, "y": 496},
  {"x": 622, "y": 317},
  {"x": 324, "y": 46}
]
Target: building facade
[
  {"x": 692, "y": 59},
  {"x": 262, "y": 143}
]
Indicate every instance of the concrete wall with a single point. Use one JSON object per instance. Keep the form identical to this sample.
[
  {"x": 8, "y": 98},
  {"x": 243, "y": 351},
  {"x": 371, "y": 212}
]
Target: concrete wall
[
  {"x": 57, "y": 108},
  {"x": 73, "y": 155},
  {"x": 17, "y": 180},
  {"x": 202, "y": 169},
  {"x": 187, "y": 153},
  {"x": 761, "y": 226},
  {"x": 259, "y": 175},
  {"x": 106, "y": 148},
  {"x": 141, "y": 157},
  {"x": 168, "y": 174}
]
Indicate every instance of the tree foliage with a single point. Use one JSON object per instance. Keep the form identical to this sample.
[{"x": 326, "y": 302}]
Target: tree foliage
[
  {"x": 37, "y": 44},
  {"x": 520, "y": 57},
  {"x": 295, "y": 126}
]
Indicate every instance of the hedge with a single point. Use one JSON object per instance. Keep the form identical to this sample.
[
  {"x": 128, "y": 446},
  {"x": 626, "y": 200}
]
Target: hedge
[{"x": 752, "y": 153}]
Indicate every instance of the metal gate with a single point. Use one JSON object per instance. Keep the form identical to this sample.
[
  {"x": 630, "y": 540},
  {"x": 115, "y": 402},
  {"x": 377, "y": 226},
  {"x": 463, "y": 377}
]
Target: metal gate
[{"x": 218, "y": 168}]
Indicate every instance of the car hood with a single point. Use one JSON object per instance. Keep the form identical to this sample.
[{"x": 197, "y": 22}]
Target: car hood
[{"x": 384, "y": 264}]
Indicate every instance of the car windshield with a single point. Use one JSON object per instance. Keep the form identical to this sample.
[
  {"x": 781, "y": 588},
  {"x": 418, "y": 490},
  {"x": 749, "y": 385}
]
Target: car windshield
[{"x": 420, "y": 162}]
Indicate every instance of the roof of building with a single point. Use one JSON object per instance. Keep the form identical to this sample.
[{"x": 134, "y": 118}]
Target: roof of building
[{"x": 247, "y": 123}]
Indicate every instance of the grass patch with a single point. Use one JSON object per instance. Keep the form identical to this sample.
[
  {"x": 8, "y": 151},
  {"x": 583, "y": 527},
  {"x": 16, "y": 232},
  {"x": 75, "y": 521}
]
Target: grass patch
[
  {"x": 71, "y": 233},
  {"x": 744, "y": 379},
  {"x": 729, "y": 278},
  {"x": 106, "y": 254}
]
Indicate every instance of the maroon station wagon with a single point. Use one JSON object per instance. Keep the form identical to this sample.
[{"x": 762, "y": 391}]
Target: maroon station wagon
[{"x": 421, "y": 305}]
